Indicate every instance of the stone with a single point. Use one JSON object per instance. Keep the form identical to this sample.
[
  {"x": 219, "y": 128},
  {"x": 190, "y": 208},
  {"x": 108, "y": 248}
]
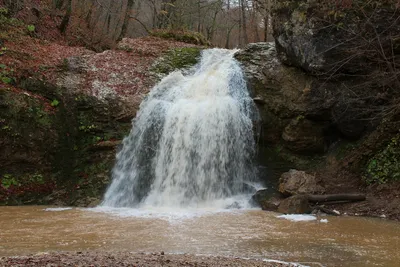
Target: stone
[
  {"x": 295, "y": 205},
  {"x": 296, "y": 182},
  {"x": 304, "y": 136},
  {"x": 323, "y": 41},
  {"x": 266, "y": 200},
  {"x": 75, "y": 64},
  {"x": 93, "y": 202},
  {"x": 278, "y": 90}
]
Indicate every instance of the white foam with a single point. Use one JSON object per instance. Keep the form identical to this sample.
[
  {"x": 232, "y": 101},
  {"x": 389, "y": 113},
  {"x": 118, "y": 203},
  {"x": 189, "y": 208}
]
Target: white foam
[
  {"x": 323, "y": 221},
  {"x": 291, "y": 264},
  {"x": 57, "y": 209},
  {"x": 172, "y": 215},
  {"x": 298, "y": 217}
]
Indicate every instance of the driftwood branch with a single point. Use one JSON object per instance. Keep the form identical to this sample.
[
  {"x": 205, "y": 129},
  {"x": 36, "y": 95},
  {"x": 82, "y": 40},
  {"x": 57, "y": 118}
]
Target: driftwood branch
[{"x": 336, "y": 197}]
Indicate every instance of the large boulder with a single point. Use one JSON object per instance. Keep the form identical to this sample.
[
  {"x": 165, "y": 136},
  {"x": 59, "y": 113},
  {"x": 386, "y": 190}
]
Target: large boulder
[
  {"x": 296, "y": 182},
  {"x": 266, "y": 199},
  {"x": 295, "y": 205}
]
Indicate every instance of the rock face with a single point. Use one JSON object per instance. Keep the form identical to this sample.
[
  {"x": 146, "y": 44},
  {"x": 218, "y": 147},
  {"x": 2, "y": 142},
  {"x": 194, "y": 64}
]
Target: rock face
[
  {"x": 295, "y": 205},
  {"x": 295, "y": 110},
  {"x": 323, "y": 38},
  {"x": 285, "y": 91},
  {"x": 299, "y": 182},
  {"x": 54, "y": 143},
  {"x": 304, "y": 136},
  {"x": 311, "y": 86}
]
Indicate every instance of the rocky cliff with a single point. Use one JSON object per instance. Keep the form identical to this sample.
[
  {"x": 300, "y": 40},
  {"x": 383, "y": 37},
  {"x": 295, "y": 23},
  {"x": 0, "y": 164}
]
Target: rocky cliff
[{"x": 328, "y": 93}]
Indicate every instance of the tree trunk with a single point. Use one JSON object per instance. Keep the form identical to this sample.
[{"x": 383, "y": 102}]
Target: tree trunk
[
  {"x": 266, "y": 25},
  {"x": 244, "y": 22},
  {"x": 64, "y": 23},
  {"x": 336, "y": 197},
  {"x": 126, "y": 19}
]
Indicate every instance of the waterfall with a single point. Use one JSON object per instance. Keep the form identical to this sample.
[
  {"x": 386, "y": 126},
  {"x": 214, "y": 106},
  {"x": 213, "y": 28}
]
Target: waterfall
[{"x": 192, "y": 141}]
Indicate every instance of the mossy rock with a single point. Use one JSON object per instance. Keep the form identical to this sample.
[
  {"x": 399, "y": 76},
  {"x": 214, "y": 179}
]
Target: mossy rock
[
  {"x": 70, "y": 140},
  {"x": 182, "y": 36},
  {"x": 177, "y": 58}
]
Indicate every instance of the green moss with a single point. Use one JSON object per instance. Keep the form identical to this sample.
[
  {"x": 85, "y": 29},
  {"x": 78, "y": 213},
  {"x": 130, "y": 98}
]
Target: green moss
[
  {"x": 178, "y": 58},
  {"x": 182, "y": 36},
  {"x": 6, "y": 73},
  {"x": 385, "y": 165}
]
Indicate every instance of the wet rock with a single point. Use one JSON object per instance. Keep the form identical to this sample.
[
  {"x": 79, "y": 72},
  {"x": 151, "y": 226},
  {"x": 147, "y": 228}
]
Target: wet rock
[
  {"x": 295, "y": 205},
  {"x": 304, "y": 136},
  {"x": 93, "y": 202},
  {"x": 266, "y": 199},
  {"x": 296, "y": 182},
  {"x": 106, "y": 145},
  {"x": 278, "y": 90},
  {"x": 234, "y": 205}
]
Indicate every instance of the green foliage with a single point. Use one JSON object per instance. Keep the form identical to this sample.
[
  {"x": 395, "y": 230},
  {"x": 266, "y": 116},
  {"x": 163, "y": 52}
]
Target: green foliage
[
  {"x": 3, "y": 11},
  {"x": 6, "y": 74},
  {"x": 37, "y": 179},
  {"x": 11, "y": 28},
  {"x": 385, "y": 165},
  {"x": 30, "y": 28},
  {"x": 300, "y": 118},
  {"x": 182, "y": 36},
  {"x": 8, "y": 180},
  {"x": 55, "y": 103},
  {"x": 3, "y": 50},
  {"x": 87, "y": 128},
  {"x": 6, "y": 80},
  {"x": 40, "y": 116}
]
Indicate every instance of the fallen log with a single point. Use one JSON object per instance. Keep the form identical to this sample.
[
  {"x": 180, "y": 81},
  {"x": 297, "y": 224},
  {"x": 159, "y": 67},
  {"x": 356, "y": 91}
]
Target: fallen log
[{"x": 336, "y": 197}]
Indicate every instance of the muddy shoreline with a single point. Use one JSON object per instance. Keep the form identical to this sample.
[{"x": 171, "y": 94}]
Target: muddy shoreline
[{"x": 132, "y": 259}]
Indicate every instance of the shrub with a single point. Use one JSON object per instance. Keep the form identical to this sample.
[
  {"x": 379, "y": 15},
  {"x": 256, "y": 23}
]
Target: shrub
[{"x": 385, "y": 165}]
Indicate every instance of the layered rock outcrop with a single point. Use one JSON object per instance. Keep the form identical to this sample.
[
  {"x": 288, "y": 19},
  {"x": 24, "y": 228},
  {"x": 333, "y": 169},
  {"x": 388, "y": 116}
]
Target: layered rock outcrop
[{"x": 326, "y": 90}]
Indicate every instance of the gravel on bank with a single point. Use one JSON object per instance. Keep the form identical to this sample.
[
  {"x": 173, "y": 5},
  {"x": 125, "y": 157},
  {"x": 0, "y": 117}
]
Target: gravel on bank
[{"x": 131, "y": 259}]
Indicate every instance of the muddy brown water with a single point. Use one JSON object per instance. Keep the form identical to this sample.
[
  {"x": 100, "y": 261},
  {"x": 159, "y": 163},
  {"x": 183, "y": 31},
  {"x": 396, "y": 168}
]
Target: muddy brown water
[{"x": 342, "y": 241}]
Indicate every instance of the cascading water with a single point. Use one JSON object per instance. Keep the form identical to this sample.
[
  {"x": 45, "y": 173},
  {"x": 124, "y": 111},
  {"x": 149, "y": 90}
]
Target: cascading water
[{"x": 192, "y": 141}]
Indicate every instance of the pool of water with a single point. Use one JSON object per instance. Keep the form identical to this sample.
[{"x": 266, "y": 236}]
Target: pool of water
[{"x": 323, "y": 241}]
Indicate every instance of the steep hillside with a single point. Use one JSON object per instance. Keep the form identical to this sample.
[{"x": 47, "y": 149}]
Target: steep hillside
[{"x": 65, "y": 109}]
